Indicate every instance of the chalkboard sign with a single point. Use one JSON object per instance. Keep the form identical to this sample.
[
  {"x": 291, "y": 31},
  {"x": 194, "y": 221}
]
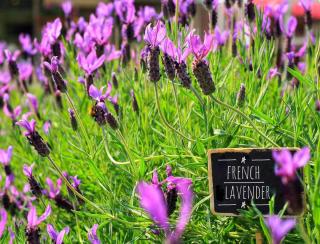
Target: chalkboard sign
[{"x": 239, "y": 176}]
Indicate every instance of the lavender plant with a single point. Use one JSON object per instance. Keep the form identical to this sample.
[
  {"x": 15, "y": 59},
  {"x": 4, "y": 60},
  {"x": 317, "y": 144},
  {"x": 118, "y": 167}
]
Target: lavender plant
[{"x": 110, "y": 100}]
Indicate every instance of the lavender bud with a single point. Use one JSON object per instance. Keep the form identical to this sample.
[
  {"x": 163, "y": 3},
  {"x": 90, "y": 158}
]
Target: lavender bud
[
  {"x": 6, "y": 201},
  {"x": 58, "y": 99},
  {"x": 7, "y": 170},
  {"x": 126, "y": 54},
  {"x": 192, "y": 9},
  {"x": 114, "y": 80},
  {"x": 135, "y": 105},
  {"x": 56, "y": 50},
  {"x": 59, "y": 81},
  {"x": 98, "y": 113},
  {"x": 89, "y": 82},
  {"x": 250, "y": 10},
  {"x": 130, "y": 32},
  {"x": 171, "y": 199},
  {"x": 73, "y": 120},
  {"x": 13, "y": 68},
  {"x": 202, "y": 72},
  {"x": 234, "y": 48},
  {"x": 168, "y": 64},
  {"x": 38, "y": 143},
  {"x": 318, "y": 105},
  {"x": 183, "y": 75},
  {"x": 308, "y": 19},
  {"x": 214, "y": 18},
  {"x": 168, "y": 8},
  {"x": 153, "y": 64},
  {"x": 35, "y": 187},
  {"x": 63, "y": 203},
  {"x": 33, "y": 236},
  {"x": 241, "y": 95},
  {"x": 112, "y": 121}
]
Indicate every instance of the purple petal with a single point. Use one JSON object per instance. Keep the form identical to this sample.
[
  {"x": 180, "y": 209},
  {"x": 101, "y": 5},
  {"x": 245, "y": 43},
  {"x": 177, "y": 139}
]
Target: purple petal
[
  {"x": 98, "y": 62},
  {"x": 32, "y": 217},
  {"x": 27, "y": 170},
  {"x": 61, "y": 235},
  {"x": 152, "y": 201},
  {"x": 47, "y": 126},
  {"x": 279, "y": 228},
  {"x": 92, "y": 235},
  {"x": 45, "y": 215},
  {"x": 301, "y": 157},
  {"x": 33, "y": 102},
  {"x": 5, "y": 155},
  {"x": 94, "y": 93},
  {"x": 3, "y": 221},
  {"x": 52, "y": 232}
]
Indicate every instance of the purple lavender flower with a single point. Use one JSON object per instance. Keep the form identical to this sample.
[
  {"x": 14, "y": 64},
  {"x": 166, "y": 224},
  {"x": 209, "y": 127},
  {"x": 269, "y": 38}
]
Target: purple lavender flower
[
  {"x": 104, "y": 9},
  {"x": 13, "y": 114},
  {"x": 47, "y": 127},
  {"x": 53, "y": 30},
  {"x": 33, "y": 231},
  {"x": 220, "y": 37},
  {"x": 279, "y": 228},
  {"x": 287, "y": 165},
  {"x": 153, "y": 37},
  {"x": 90, "y": 63},
  {"x": 5, "y": 78},
  {"x": 57, "y": 236},
  {"x": 56, "y": 76},
  {"x": 33, "y": 183},
  {"x": 6, "y": 155},
  {"x": 153, "y": 201},
  {"x": 33, "y": 137},
  {"x": 291, "y": 26},
  {"x": 25, "y": 71},
  {"x": 33, "y": 104},
  {"x": 3, "y": 221},
  {"x": 12, "y": 61},
  {"x": 169, "y": 50},
  {"x": 12, "y": 235},
  {"x": 73, "y": 120},
  {"x": 67, "y": 8},
  {"x": 92, "y": 235},
  {"x": 306, "y": 4},
  {"x": 99, "y": 95},
  {"x": 26, "y": 44},
  {"x": 272, "y": 73},
  {"x": 200, "y": 66}
]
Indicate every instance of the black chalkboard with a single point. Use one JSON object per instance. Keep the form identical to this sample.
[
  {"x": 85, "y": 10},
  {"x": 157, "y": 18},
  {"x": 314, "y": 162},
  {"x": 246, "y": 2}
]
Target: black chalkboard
[{"x": 239, "y": 176}]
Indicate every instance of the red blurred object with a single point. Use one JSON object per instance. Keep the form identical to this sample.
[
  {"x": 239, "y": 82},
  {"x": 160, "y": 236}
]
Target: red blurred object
[
  {"x": 298, "y": 10},
  {"x": 263, "y": 3}
]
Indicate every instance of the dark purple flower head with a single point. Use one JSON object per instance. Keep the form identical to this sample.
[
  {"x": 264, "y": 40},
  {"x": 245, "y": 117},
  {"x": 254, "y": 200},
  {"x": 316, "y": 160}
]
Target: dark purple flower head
[
  {"x": 57, "y": 236},
  {"x": 3, "y": 221},
  {"x": 104, "y": 9},
  {"x": 53, "y": 30},
  {"x": 287, "y": 165},
  {"x": 11, "y": 56},
  {"x": 30, "y": 127},
  {"x": 99, "y": 95},
  {"x": 54, "y": 66},
  {"x": 67, "y": 8},
  {"x": 25, "y": 71},
  {"x": 279, "y": 228},
  {"x": 5, "y": 155},
  {"x": 76, "y": 182},
  {"x": 290, "y": 56},
  {"x": 198, "y": 48},
  {"x": 291, "y": 26},
  {"x": 33, "y": 220},
  {"x": 53, "y": 191},
  {"x": 92, "y": 235},
  {"x": 27, "y": 170},
  {"x": 153, "y": 36},
  {"x": 27, "y": 44},
  {"x": 90, "y": 63}
]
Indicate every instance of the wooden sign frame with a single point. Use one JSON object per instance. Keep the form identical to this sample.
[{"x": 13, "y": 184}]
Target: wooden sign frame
[{"x": 239, "y": 150}]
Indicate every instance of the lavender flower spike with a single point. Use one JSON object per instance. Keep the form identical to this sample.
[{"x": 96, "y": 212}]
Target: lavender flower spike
[
  {"x": 33, "y": 104},
  {"x": 56, "y": 76},
  {"x": 279, "y": 228},
  {"x": 91, "y": 62},
  {"x": 33, "y": 232},
  {"x": 34, "y": 185},
  {"x": 67, "y": 8},
  {"x": 3, "y": 221},
  {"x": 200, "y": 67},
  {"x": 33, "y": 137},
  {"x": 56, "y": 236},
  {"x": 286, "y": 164},
  {"x": 5, "y": 156},
  {"x": 153, "y": 37},
  {"x": 92, "y": 235}
]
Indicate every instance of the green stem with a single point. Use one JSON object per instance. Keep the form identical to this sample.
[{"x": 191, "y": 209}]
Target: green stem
[
  {"x": 164, "y": 119},
  {"x": 176, "y": 102},
  {"x": 72, "y": 188},
  {"x": 246, "y": 117},
  {"x": 203, "y": 105},
  {"x": 302, "y": 231},
  {"x": 108, "y": 152},
  {"x": 125, "y": 145},
  {"x": 84, "y": 132}
]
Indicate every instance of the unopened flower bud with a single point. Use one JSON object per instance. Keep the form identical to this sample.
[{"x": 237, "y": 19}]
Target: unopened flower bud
[
  {"x": 241, "y": 95},
  {"x": 135, "y": 105},
  {"x": 73, "y": 120},
  {"x": 114, "y": 80},
  {"x": 153, "y": 64},
  {"x": 250, "y": 10},
  {"x": 112, "y": 121}
]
